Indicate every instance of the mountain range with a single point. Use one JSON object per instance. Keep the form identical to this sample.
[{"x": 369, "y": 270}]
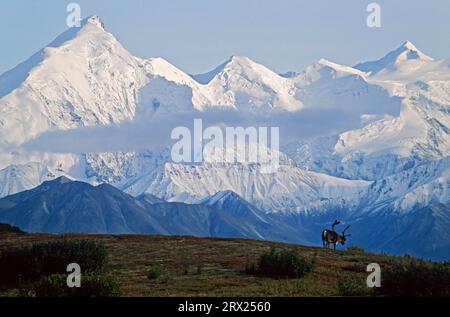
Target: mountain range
[
  {"x": 378, "y": 157},
  {"x": 65, "y": 206}
]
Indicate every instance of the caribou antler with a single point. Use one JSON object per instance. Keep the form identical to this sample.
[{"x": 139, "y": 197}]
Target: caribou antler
[
  {"x": 343, "y": 232},
  {"x": 336, "y": 222}
]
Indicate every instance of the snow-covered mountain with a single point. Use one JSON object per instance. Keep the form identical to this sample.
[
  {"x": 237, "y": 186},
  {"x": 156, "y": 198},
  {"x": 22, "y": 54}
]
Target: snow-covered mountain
[
  {"x": 417, "y": 187},
  {"x": 391, "y": 143},
  {"x": 388, "y": 155},
  {"x": 407, "y": 53},
  {"x": 83, "y": 78},
  {"x": 290, "y": 189},
  {"x": 17, "y": 178},
  {"x": 326, "y": 85}
]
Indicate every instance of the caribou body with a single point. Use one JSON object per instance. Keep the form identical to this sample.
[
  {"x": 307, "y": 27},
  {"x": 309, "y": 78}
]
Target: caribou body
[{"x": 332, "y": 237}]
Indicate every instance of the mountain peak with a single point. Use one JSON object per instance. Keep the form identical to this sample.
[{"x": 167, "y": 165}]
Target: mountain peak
[
  {"x": 408, "y": 51},
  {"x": 93, "y": 20},
  {"x": 59, "y": 180},
  {"x": 409, "y": 45},
  {"x": 226, "y": 194},
  {"x": 237, "y": 62},
  {"x": 11, "y": 79},
  {"x": 221, "y": 196},
  {"x": 405, "y": 53},
  {"x": 238, "y": 59},
  {"x": 234, "y": 62}
]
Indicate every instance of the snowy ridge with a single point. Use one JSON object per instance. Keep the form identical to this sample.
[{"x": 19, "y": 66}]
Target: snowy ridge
[
  {"x": 17, "y": 178},
  {"x": 289, "y": 190},
  {"x": 418, "y": 187}
]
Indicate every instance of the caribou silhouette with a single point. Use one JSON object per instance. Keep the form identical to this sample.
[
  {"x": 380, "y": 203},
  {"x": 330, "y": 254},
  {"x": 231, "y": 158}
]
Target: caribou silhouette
[{"x": 332, "y": 237}]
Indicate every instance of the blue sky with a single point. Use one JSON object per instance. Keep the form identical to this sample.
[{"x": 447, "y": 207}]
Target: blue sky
[{"x": 198, "y": 35}]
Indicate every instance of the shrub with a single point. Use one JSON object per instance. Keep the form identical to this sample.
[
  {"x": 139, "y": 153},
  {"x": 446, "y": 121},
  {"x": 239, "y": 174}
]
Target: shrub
[
  {"x": 153, "y": 274},
  {"x": 352, "y": 287},
  {"x": 416, "y": 278},
  {"x": 283, "y": 264},
  {"x": 33, "y": 262},
  {"x": 91, "y": 286},
  {"x": 199, "y": 270}
]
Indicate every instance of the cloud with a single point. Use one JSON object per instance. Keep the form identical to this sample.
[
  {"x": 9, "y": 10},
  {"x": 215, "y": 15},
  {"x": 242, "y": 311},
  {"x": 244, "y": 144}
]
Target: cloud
[{"x": 147, "y": 133}]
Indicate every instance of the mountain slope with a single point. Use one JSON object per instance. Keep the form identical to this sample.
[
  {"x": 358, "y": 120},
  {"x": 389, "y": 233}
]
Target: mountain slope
[
  {"x": 290, "y": 189},
  {"x": 330, "y": 86},
  {"x": 63, "y": 206},
  {"x": 258, "y": 223},
  {"x": 422, "y": 232},
  {"x": 17, "y": 178},
  {"x": 417, "y": 187}
]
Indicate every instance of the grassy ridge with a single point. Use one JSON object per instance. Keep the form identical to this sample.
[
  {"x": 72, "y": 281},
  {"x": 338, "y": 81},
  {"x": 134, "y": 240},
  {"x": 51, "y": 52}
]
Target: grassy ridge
[
  {"x": 4, "y": 228},
  {"x": 187, "y": 266}
]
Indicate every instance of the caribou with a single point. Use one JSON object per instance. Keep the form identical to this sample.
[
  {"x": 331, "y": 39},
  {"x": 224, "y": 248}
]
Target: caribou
[{"x": 332, "y": 237}]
